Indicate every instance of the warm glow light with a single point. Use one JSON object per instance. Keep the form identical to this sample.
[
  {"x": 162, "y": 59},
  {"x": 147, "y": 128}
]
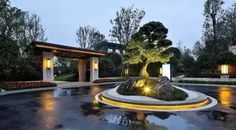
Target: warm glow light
[
  {"x": 95, "y": 65},
  {"x": 95, "y": 102},
  {"x": 224, "y": 69},
  {"x": 161, "y": 71},
  {"x": 146, "y": 90},
  {"x": 126, "y": 71},
  {"x": 47, "y": 102},
  {"x": 153, "y": 107},
  {"x": 48, "y": 63},
  {"x": 225, "y": 96}
]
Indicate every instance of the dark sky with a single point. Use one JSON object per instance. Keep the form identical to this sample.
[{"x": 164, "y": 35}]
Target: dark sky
[{"x": 61, "y": 18}]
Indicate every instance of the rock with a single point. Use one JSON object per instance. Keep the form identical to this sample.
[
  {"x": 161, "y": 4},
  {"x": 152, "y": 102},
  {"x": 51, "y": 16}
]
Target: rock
[
  {"x": 129, "y": 84},
  {"x": 165, "y": 89},
  {"x": 164, "y": 79},
  {"x": 126, "y": 86}
]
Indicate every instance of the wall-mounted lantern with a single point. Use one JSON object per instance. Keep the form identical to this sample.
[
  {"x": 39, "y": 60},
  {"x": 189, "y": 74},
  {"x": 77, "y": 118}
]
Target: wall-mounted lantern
[
  {"x": 95, "y": 65},
  {"x": 126, "y": 72},
  {"x": 224, "y": 69},
  {"x": 48, "y": 63}
]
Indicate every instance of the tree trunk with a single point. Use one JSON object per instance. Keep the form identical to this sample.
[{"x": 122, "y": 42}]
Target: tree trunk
[{"x": 143, "y": 73}]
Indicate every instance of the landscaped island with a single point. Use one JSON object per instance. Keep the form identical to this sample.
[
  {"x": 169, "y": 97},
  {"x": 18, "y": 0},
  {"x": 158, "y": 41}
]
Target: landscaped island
[
  {"x": 149, "y": 45},
  {"x": 154, "y": 88}
]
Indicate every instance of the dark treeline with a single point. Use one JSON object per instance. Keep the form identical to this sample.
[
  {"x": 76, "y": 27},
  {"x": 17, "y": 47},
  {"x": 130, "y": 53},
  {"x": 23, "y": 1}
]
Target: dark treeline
[{"x": 17, "y": 30}]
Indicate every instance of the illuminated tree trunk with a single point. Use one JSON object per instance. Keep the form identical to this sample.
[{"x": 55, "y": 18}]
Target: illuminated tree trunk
[{"x": 143, "y": 73}]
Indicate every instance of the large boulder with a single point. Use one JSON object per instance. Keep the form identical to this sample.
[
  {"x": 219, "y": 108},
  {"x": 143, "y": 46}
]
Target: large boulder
[
  {"x": 165, "y": 89},
  {"x": 127, "y": 86}
]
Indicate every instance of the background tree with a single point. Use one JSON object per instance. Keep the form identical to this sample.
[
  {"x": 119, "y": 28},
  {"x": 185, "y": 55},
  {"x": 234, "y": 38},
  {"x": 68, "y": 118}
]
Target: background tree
[
  {"x": 226, "y": 58},
  {"x": 17, "y": 30},
  {"x": 126, "y": 24},
  {"x": 212, "y": 26},
  {"x": 175, "y": 60},
  {"x": 88, "y": 36},
  {"x": 197, "y": 49},
  {"x": 148, "y": 46},
  {"x": 229, "y": 28}
]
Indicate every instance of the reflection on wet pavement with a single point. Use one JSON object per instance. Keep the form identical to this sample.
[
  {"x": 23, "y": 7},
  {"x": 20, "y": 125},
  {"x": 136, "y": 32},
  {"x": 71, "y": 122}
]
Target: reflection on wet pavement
[
  {"x": 76, "y": 109},
  {"x": 225, "y": 96}
]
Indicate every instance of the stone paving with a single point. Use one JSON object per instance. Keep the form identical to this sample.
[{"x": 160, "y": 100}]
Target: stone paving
[{"x": 75, "y": 109}]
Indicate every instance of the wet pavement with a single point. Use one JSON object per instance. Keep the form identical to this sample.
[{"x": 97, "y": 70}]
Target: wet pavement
[{"x": 76, "y": 109}]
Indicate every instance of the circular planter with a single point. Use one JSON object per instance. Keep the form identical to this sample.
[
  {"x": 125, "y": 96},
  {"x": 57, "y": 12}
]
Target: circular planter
[{"x": 195, "y": 101}]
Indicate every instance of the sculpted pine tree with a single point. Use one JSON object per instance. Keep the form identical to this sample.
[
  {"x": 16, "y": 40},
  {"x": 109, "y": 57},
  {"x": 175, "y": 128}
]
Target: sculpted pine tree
[{"x": 148, "y": 45}]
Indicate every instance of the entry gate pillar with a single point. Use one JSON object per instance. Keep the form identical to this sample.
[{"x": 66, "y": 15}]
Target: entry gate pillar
[
  {"x": 48, "y": 69},
  {"x": 94, "y": 68}
]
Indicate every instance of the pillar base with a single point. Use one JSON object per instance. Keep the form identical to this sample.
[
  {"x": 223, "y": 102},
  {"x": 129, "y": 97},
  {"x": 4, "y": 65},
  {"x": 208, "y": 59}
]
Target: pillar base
[{"x": 224, "y": 77}]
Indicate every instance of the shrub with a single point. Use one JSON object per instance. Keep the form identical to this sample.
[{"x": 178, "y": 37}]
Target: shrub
[
  {"x": 208, "y": 82},
  {"x": 226, "y": 58},
  {"x": 25, "y": 85},
  {"x": 103, "y": 80}
]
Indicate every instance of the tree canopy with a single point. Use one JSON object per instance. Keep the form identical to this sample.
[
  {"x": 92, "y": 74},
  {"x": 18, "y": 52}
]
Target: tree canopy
[
  {"x": 148, "y": 46},
  {"x": 126, "y": 24},
  {"x": 17, "y": 30},
  {"x": 88, "y": 37}
]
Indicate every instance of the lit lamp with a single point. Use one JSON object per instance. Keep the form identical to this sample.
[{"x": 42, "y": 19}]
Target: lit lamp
[
  {"x": 146, "y": 90},
  {"x": 224, "y": 69},
  {"x": 95, "y": 66},
  {"x": 161, "y": 71},
  {"x": 126, "y": 71},
  {"x": 48, "y": 63}
]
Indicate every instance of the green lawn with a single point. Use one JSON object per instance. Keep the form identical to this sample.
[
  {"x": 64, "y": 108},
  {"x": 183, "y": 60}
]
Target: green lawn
[{"x": 63, "y": 77}]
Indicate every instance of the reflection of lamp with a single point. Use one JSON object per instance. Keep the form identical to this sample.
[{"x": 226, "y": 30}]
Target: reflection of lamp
[
  {"x": 48, "y": 63},
  {"x": 224, "y": 69},
  {"x": 161, "y": 71},
  {"x": 95, "y": 66}
]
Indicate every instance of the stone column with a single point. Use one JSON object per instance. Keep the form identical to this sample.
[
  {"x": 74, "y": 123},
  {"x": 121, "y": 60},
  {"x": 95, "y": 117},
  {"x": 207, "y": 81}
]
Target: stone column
[
  {"x": 48, "y": 69},
  {"x": 81, "y": 67},
  {"x": 93, "y": 69}
]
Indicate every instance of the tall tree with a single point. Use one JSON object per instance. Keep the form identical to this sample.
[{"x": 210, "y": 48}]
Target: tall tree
[
  {"x": 30, "y": 30},
  {"x": 230, "y": 24},
  {"x": 197, "y": 49},
  {"x": 148, "y": 45},
  {"x": 17, "y": 30},
  {"x": 213, "y": 20},
  {"x": 88, "y": 36},
  {"x": 126, "y": 24}
]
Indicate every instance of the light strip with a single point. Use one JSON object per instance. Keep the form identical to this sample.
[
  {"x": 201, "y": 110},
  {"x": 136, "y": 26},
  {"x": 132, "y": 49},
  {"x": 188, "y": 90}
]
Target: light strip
[
  {"x": 153, "y": 107},
  {"x": 72, "y": 50}
]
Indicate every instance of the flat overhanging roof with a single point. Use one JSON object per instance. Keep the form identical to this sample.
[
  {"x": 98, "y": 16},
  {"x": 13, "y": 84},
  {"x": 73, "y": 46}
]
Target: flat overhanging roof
[{"x": 66, "y": 51}]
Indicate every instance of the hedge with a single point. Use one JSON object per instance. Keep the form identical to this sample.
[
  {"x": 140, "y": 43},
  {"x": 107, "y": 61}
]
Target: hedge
[
  {"x": 104, "y": 80},
  {"x": 25, "y": 85},
  {"x": 208, "y": 82}
]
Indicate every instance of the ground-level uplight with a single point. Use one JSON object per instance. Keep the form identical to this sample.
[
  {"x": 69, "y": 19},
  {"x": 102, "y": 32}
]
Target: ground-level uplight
[{"x": 147, "y": 90}]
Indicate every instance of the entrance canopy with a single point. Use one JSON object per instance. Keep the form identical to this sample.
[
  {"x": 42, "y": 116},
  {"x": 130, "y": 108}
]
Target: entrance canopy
[
  {"x": 66, "y": 51},
  {"x": 49, "y": 50}
]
